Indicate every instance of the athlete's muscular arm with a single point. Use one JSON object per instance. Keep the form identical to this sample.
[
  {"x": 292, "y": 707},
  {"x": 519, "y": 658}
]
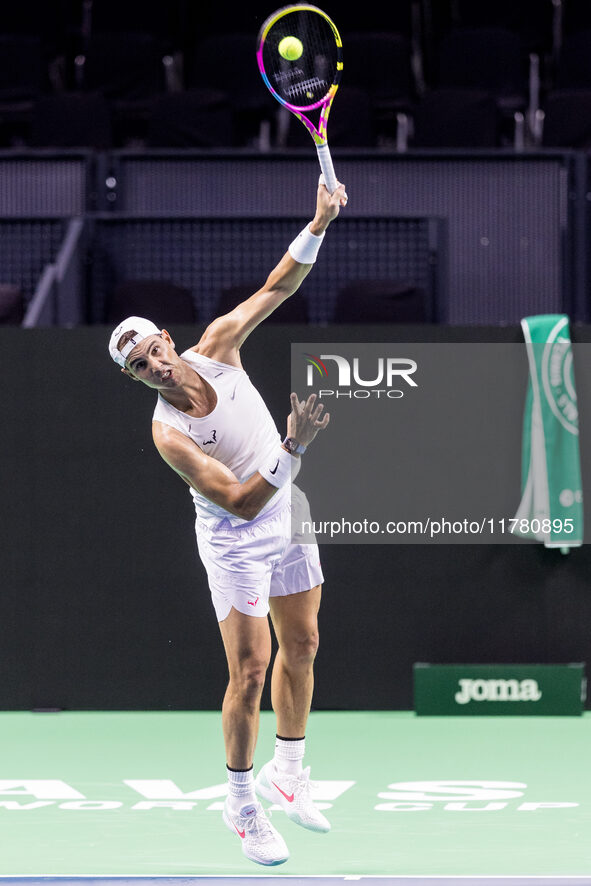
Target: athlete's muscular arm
[
  {"x": 210, "y": 477},
  {"x": 223, "y": 338},
  {"x": 214, "y": 480}
]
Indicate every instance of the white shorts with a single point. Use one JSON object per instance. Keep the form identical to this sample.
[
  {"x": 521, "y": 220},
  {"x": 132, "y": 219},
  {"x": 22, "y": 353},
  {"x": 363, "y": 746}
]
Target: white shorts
[{"x": 249, "y": 563}]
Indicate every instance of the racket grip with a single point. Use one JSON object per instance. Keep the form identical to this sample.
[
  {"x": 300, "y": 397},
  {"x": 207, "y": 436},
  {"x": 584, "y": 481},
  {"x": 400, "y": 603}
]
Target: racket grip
[{"x": 330, "y": 179}]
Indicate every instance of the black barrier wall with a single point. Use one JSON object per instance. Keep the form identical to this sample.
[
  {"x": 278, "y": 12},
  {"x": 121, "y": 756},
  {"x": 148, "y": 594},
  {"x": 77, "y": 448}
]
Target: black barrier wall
[{"x": 104, "y": 603}]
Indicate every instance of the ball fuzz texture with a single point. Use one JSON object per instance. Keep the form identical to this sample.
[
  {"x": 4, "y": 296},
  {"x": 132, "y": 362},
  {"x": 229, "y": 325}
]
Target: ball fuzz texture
[{"x": 290, "y": 48}]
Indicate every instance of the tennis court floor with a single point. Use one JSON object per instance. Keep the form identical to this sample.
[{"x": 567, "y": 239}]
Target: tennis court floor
[{"x": 128, "y": 795}]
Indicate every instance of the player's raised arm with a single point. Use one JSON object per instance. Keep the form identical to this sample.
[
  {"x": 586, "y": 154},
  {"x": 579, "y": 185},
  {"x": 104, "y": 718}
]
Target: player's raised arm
[
  {"x": 224, "y": 337},
  {"x": 217, "y": 483}
]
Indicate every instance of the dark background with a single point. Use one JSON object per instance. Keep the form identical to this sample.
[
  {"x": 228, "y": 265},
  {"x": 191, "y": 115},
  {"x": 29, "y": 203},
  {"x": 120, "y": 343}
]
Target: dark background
[{"x": 104, "y": 603}]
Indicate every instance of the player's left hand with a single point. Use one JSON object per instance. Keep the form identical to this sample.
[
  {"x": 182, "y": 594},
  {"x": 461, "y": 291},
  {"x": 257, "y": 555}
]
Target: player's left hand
[{"x": 304, "y": 421}]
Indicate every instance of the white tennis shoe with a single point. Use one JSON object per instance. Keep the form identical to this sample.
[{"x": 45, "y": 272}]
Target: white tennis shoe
[
  {"x": 260, "y": 841},
  {"x": 292, "y": 793}
]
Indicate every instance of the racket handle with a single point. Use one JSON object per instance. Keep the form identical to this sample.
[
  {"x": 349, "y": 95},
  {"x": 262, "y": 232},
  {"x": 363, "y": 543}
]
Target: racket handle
[{"x": 330, "y": 179}]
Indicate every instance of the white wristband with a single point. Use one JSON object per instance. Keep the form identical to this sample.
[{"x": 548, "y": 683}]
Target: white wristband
[
  {"x": 304, "y": 249},
  {"x": 280, "y": 468}
]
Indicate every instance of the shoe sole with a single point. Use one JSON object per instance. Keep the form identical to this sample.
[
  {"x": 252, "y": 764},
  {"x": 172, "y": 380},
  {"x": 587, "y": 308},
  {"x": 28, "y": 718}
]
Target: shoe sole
[
  {"x": 273, "y": 863},
  {"x": 264, "y": 790}
]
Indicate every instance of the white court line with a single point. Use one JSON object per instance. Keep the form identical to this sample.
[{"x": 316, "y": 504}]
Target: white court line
[
  {"x": 309, "y": 879},
  {"x": 396, "y": 880}
]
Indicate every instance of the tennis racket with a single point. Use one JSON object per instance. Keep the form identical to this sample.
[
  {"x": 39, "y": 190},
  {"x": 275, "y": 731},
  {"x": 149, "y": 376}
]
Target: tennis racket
[{"x": 300, "y": 57}]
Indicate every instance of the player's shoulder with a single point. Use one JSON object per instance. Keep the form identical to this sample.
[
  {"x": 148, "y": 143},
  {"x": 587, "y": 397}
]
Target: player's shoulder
[
  {"x": 167, "y": 438},
  {"x": 179, "y": 452},
  {"x": 218, "y": 342}
]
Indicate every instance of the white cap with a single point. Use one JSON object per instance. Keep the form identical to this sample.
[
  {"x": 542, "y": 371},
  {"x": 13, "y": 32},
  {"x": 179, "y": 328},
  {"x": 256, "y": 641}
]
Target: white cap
[{"x": 141, "y": 328}]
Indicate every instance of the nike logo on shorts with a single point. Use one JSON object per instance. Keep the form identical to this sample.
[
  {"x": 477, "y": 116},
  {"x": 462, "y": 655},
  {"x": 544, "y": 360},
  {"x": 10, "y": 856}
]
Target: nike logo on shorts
[{"x": 274, "y": 471}]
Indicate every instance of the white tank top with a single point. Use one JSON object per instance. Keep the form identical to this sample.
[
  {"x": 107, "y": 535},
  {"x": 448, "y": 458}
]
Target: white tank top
[{"x": 239, "y": 432}]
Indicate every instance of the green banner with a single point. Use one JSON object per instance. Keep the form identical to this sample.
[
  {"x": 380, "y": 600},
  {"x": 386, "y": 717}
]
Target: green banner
[
  {"x": 499, "y": 689},
  {"x": 551, "y": 508}
]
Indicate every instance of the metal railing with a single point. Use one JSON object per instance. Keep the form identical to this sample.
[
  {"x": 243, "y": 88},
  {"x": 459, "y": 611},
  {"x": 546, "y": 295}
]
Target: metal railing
[{"x": 58, "y": 299}]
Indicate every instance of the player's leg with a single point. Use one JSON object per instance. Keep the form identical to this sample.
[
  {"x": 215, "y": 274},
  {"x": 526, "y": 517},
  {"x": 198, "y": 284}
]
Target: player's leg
[
  {"x": 239, "y": 575},
  {"x": 295, "y": 620},
  {"x": 294, "y": 600},
  {"x": 284, "y": 780},
  {"x": 247, "y": 643}
]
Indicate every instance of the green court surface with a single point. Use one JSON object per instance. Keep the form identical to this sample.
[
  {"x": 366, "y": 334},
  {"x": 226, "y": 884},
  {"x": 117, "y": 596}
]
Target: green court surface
[{"x": 125, "y": 794}]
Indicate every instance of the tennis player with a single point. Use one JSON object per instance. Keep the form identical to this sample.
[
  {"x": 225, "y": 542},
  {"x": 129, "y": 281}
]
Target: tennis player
[{"x": 213, "y": 428}]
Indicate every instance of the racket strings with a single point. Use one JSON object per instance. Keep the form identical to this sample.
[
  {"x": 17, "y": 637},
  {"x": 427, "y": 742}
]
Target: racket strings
[{"x": 304, "y": 81}]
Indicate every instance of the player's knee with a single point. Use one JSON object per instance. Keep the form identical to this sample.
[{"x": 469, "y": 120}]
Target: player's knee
[
  {"x": 301, "y": 647},
  {"x": 250, "y": 678}
]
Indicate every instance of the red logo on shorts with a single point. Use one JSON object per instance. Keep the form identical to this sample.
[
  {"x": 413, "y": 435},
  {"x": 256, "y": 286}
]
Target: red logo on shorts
[{"x": 250, "y": 603}]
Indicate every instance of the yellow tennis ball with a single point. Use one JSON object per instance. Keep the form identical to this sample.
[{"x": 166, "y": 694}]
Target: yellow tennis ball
[{"x": 290, "y": 48}]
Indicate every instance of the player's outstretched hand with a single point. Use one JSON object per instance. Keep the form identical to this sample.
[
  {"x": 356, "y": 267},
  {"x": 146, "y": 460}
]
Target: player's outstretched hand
[
  {"x": 304, "y": 422},
  {"x": 328, "y": 206}
]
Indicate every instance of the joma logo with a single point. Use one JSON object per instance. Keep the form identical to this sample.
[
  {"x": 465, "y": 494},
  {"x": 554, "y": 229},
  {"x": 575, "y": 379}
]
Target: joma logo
[{"x": 497, "y": 690}]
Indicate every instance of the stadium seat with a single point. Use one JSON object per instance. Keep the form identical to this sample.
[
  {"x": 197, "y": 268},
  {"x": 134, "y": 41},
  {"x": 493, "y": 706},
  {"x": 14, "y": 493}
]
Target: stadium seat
[
  {"x": 194, "y": 118},
  {"x": 380, "y": 64},
  {"x": 294, "y": 310},
  {"x": 160, "y": 300},
  {"x": 350, "y": 124},
  {"x": 23, "y": 79},
  {"x": 381, "y": 301},
  {"x": 574, "y": 63},
  {"x": 159, "y": 18},
  {"x": 567, "y": 119},
  {"x": 238, "y": 76},
  {"x": 23, "y": 74},
  {"x": 577, "y": 16},
  {"x": 385, "y": 17},
  {"x": 122, "y": 67},
  {"x": 72, "y": 120},
  {"x": 456, "y": 118},
  {"x": 491, "y": 60},
  {"x": 531, "y": 20},
  {"x": 12, "y": 306}
]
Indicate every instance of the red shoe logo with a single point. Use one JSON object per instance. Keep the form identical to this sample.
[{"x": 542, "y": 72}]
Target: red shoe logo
[
  {"x": 250, "y": 603},
  {"x": 288, "y": 797},
  {"x": 241, "y": 834}
]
